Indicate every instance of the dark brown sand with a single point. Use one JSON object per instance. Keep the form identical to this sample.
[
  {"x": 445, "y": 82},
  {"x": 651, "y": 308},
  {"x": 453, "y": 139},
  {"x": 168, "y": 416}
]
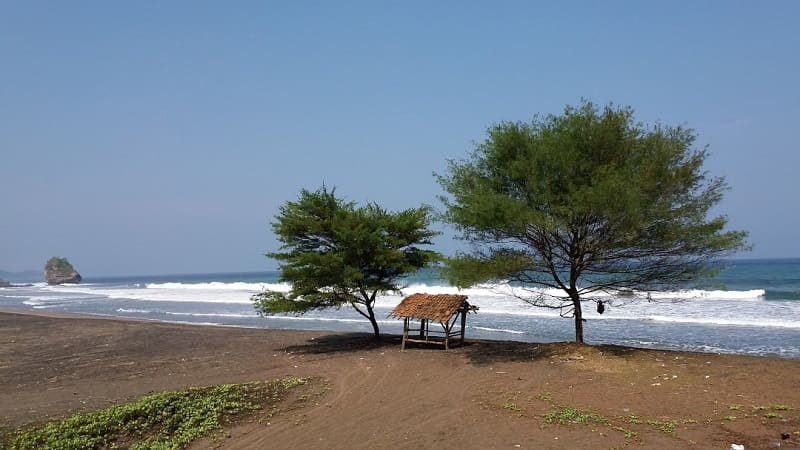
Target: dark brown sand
[{"x": 483, "y": 395}]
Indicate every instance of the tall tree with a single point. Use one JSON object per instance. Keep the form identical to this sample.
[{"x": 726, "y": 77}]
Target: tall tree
[
  {"x": 585, "y": 202},
  {"x": 334, "y": 253}
]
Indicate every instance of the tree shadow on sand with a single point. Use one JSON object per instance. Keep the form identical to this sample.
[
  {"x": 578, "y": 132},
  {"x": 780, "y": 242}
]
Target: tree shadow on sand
[
  {"x": 343, "y": 343},
  {"x": 477, "y": 351},
  {"x": 485, "y": 352}
]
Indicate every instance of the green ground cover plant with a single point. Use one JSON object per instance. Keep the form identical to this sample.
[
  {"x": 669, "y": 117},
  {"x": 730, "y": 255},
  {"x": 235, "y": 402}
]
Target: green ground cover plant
[{"x": 167, "y": 420}]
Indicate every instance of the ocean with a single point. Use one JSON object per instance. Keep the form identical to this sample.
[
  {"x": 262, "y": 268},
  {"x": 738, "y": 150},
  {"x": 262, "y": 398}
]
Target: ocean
[{"x": 753, "y": 309}]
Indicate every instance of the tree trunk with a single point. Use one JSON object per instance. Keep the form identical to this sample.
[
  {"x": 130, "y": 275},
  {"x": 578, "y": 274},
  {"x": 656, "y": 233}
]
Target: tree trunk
[
  {"x": 576, "y": 302},
  {"x": 369, "y": 303},
  {"x": 374, "y": 323}
]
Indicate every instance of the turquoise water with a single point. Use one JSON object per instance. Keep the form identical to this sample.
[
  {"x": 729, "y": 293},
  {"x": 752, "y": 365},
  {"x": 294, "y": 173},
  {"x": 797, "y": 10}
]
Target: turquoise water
[
  {"x": 780, "y": 278},
  {"x": 756, "y": 312}
]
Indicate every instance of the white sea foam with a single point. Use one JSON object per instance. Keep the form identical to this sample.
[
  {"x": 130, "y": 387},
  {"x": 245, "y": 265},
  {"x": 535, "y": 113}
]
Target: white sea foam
[
  {"x": 38, "y": 301},
  {"x": 186, "y": 322},
  {"x": 133, "y": 311},
  {"x": 220, "y": 286},
  {"x": 754, "y": 294},
  {"x": 42, "y": 305},
  {"x": 713, "y": 307},
  {"x": 726, "y": 321},
  {"x": 48, "y": 298},
  {"x": 502, "y": 290},
  {"x": 529, "y": 311},
  {"x": 498, "y": 330},
  {"x": 229, "y": 315},
  {"x": 484, "y": 290},
  {"x": 212, "y": 292},
  {"x": 330, "y": 319},
  {"x": 215, "y": 291}
]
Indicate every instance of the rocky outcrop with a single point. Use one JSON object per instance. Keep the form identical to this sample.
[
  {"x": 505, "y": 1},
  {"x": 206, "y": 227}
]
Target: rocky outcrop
[
  {"x": 60, "y": 271},
  {"x": 5, "y": 283}
]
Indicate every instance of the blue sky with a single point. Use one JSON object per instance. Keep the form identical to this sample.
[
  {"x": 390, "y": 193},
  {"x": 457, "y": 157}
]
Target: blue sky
[{"x": 161, "y": 137}]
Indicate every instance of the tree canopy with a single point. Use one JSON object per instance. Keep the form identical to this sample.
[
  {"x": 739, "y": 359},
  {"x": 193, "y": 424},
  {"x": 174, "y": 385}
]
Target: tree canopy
[
  {"x": 585, "y": 202},
  {"x": 335, "y": 253}
]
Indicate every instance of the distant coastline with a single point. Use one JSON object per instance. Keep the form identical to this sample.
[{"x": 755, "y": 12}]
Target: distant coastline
[{"x": 21, "y": 276}]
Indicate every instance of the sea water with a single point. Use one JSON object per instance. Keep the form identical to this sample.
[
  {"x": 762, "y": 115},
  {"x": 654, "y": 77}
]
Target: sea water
[{"x": 754, "y": 308}]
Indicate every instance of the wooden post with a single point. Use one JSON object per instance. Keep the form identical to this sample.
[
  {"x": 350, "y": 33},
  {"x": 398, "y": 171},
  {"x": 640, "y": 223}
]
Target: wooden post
[
  {"x": 463, "y": 312},
  {"x": 422, "y": 325},
  {"x": 446, "y": 326},
  {"x": 405, "y": 333}
]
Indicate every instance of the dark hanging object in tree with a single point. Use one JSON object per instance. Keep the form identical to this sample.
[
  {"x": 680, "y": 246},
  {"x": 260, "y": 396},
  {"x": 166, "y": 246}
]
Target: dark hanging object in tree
[{"x": 601, "y": 308}]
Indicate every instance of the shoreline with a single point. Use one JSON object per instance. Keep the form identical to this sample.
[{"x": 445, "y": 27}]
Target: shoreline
[
  {"x": 486, "y": 393},
  {"x": 68, "y": 315}
]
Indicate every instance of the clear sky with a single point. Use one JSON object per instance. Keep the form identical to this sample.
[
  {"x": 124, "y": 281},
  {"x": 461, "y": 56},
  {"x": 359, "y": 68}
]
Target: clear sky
[{"x": 161, "y": 137}]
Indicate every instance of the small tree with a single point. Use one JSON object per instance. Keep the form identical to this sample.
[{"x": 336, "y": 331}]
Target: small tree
[
  {"x": 334, "y": 253},
  {"x": 585, "y": 202}
]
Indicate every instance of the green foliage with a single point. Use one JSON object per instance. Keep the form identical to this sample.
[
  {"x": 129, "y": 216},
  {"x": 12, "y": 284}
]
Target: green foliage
[
  {"x": 756, "y": 408},
  {"x": 629, "y": 434},
  {"x": 781, "y": 407},
  {"x": 169, "y": 420},
  {"x": 334, "y": 253},
  {"x": 566, "y": 415},
  {"x": 667, "y": 426},
  {"x": 511, "y": 406},
  {"x": 583, "y": 202},
  {"x": 59, "y": 265},
  {"x": 570, "y": 415}
]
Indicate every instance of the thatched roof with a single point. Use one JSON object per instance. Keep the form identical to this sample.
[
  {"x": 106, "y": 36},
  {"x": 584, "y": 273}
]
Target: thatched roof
[{"x": 439, "y": 307}]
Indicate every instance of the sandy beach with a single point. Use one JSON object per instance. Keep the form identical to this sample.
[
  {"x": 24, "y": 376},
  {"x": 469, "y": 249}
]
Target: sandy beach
[{"x": 483, "y": 395}]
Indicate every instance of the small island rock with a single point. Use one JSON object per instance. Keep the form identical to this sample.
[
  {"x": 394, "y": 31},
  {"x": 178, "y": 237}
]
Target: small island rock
[{"x": 59, "y": 271}]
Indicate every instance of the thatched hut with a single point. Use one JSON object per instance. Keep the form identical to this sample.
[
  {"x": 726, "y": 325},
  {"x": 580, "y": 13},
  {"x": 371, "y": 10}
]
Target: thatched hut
[{"x": 418, "y": 310}]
